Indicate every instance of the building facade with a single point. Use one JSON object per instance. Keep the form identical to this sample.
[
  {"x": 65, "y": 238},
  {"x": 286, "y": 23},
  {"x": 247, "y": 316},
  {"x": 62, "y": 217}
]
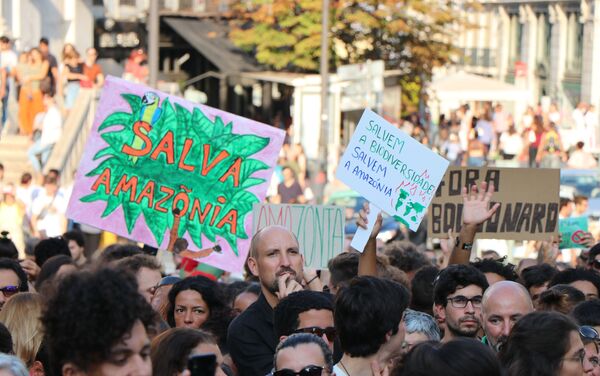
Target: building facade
[{"x": 551, "y": 48}]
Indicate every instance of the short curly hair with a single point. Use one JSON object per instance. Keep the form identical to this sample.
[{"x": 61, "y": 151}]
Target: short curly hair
[
  {"x": 506, "y": 271},
  {"x": 405, "y": 256},
  {"x": 90, "y": 312},
  {"x": 455, "y": 277},
  {"x": 220, "y": 314}
]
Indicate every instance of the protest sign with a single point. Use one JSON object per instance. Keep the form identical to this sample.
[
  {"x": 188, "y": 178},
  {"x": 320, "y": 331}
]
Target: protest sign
[
  {"x": 573, "y": 231},
  {"x": 318, "y": 228},
  {"x": 528, "y": 203},
  {"x": 149, "y": 153},
  {"x": 391, "y": 169}
]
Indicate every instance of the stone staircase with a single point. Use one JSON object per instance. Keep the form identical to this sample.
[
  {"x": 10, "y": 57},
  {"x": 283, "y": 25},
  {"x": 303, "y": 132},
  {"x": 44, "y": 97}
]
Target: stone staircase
[{"x": 13, "y": 155}]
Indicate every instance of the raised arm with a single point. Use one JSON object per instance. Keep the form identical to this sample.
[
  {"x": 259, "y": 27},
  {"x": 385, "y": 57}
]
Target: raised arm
[
  {"x": 367, "y": 263},
  {"x": 476, "y": 210}
]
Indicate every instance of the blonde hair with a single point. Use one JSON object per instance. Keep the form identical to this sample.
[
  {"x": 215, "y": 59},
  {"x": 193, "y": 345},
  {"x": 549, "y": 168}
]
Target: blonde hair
[{"x": 21, "y": 315}]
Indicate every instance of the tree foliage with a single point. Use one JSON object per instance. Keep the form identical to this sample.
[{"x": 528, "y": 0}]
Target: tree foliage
[{"x": 413, "y": 36}]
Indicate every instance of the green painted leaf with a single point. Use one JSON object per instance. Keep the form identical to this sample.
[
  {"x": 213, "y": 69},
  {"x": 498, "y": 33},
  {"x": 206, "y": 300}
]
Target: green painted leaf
[
  {"x": 194, "y": 125},
  {"x": 251, "y": 182},
  {"x": 117, "y": 118},
  {"x": 134, "y": 102}
]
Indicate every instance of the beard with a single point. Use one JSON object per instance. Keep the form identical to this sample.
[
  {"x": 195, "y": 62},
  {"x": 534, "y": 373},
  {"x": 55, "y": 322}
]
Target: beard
[
  {"x": 500, "y": 341},
  {"x": 459, "y": 331},
  {"x": 273, "y": 287}
]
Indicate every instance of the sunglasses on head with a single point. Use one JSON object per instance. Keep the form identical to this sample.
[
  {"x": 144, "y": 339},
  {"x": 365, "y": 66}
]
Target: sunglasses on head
[
  {"x": 308, "y": 371},
  {"x": 330, "y": 332},
  {"x": 9, "y": 290},
  {"x": 589, "y": 333}
]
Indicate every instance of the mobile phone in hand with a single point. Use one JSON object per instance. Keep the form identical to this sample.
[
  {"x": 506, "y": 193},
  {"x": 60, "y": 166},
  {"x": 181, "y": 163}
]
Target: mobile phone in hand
[{"x": 202, "y": 364}]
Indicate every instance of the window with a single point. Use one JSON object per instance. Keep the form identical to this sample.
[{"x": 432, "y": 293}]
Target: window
[{"x": 574, "y": 43}]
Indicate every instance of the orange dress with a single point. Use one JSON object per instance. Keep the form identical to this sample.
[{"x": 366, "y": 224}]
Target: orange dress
[{"x": 30, "y": 100}]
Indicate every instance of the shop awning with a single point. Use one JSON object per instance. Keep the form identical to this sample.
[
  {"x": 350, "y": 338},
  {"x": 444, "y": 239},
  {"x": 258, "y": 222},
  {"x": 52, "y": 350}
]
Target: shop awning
[
  {"x": 464, "y": 87},
  {"x": 210, "y": 39}
]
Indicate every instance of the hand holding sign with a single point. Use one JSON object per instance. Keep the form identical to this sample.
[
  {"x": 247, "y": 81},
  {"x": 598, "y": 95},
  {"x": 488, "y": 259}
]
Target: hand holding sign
[
  {"x": 573, "y": 231},
  {"x": 369, "y": 224},
  {"x": 391, "y": 170}
]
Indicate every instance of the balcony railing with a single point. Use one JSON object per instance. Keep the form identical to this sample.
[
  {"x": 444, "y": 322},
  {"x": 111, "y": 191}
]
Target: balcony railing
[
  {"x": 478, "y": 57},
  {"x": 127, "y": 9}
]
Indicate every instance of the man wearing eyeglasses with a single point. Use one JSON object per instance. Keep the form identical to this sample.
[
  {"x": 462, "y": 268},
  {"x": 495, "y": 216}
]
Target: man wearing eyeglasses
[
  {"x": 305, "y": 312},
  {"x": 146, "y": 270},
  {"x": 302, "y": 355},
  {"x": 12, "y": 279},
  {"x": 457, "y": 295}
]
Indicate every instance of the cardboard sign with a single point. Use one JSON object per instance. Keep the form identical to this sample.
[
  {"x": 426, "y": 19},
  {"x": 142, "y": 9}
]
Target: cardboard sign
[
  {"x": 318, "y": 228},
  {"x": 528, "y": 203},
  {"x": 390, "y": 169},
  {"x": 572, "y": 230},
  {"x": 149, "y": 153}
]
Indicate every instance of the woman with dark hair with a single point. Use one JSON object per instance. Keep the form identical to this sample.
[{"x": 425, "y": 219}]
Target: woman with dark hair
[
  {"x": 460, "y": 357},
  {"x": 560, "y": 298},
  {"x": 544, "y": 344},
  {"x": 171, "y": 349},
  {"x": 198, "y": 303},
  {"x": 55, "y": 267}
]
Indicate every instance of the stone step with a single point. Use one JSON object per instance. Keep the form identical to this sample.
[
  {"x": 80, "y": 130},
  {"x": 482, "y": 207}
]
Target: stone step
[{"x": 13, "y": 155}]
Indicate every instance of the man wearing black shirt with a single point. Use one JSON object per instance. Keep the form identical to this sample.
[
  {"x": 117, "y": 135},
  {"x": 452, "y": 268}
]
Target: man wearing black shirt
[
  {"x": 276, "y": 259},
  {"x": 44, "y": 47}
]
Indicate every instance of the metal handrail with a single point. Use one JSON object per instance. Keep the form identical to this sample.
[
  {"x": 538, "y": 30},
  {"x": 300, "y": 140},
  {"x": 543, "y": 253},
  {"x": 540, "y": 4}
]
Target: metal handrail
[{"x": 67, "y": 152}]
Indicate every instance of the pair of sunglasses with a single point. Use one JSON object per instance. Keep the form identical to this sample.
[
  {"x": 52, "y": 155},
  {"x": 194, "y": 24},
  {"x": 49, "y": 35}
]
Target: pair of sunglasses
[
  {"x": 9, "y": 291},
  {"x": 589, "y": 333},
  {"x": 308, "y": 371},
  {"x": 330, "y": 332}
]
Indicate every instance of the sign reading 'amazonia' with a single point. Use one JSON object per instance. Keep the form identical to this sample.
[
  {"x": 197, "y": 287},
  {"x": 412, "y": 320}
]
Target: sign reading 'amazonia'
[
  {"x": 318, "y": 228},
  {"x": 149, "y": 153}
]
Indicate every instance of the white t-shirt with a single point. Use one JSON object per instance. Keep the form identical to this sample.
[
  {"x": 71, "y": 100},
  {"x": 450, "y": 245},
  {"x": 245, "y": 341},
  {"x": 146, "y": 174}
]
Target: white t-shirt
[
  {"x": 25, "y": 195},
  {"x": 51, "y": 126},
  {"x": 8, "y": 59},
  {"x": 54, "y": 208},
  {"x": 500, "y": 122},
  {"x": 511, "y": 144}
]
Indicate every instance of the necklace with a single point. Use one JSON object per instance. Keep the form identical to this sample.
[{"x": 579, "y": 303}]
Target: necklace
[{"x": 345, "y": 369}]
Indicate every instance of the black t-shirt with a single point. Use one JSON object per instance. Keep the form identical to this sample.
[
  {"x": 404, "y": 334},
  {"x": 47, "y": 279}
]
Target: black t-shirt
[
  {"x": 252, "y": 341},
  {"x": 289, "y": 195},
  {"x": 52, "y": 63},
  {"x": 75, "y": 69}
]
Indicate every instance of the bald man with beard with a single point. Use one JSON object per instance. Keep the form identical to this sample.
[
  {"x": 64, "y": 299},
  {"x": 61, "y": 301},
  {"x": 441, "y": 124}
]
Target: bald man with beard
[{"x": 504, "y": 303}]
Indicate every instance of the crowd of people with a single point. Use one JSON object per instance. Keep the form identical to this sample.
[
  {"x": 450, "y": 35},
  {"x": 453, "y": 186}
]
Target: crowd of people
[
  {"x": 70, "y": 305},
  {"x": 542, "y": 137},
  {"x": 45, "y": 90},
  {"x": 388, "y": 310}
]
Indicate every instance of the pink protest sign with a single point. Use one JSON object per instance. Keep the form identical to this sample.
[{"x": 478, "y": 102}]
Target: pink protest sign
[{"x": 149, "y": 153}]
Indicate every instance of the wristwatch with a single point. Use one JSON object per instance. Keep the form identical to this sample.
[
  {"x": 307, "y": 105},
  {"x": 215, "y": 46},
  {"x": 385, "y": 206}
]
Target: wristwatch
[{"x": 466, "y": 246}]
